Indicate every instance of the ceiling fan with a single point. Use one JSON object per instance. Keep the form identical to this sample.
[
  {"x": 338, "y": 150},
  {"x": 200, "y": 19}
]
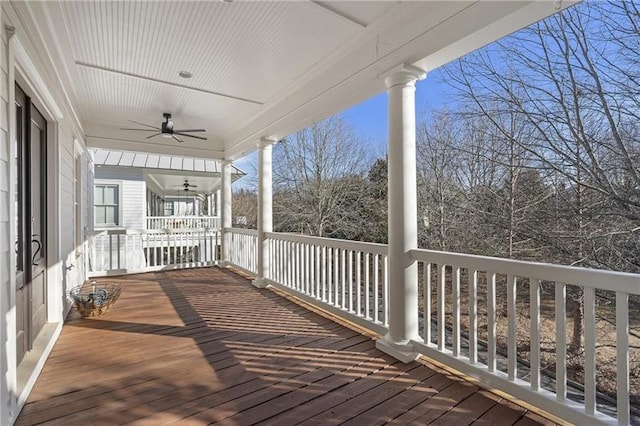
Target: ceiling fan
[
  {"x": 186, "y": 186},
  {"x": 166, "y": 130}
]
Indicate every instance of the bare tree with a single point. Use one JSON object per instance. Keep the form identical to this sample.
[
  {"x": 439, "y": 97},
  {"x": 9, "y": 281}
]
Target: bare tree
[
  {"x": 560, "y": 81},
  {"x": 319, "y": 174}
]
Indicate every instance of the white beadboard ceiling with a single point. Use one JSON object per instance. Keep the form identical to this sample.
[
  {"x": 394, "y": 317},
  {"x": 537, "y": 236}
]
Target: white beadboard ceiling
[{"x": 260, "y": 69}]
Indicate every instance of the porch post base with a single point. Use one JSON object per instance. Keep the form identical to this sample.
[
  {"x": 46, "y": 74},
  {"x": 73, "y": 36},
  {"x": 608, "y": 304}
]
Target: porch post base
[
  {"x": 259, "y": 282},
  {"x": 223, "y": 263},
  {"x": 402, "y": 352}
]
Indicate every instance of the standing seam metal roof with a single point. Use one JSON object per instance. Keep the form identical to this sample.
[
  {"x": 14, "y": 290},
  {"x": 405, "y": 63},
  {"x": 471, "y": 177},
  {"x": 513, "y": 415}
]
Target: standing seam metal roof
[{"x": 106, "y": 157}]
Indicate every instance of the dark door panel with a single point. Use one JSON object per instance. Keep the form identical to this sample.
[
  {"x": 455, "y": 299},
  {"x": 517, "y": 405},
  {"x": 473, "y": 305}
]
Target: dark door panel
[{"x": 30, "y": 244}]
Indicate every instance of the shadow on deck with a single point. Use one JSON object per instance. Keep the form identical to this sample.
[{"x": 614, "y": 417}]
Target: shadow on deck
[{"x": 203, "y": 346}]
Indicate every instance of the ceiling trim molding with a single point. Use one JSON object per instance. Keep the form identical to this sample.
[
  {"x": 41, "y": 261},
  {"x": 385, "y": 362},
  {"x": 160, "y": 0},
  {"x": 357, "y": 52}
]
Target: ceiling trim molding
[
  {"x": 168, "y": 83},
  {"x": 41, "y": 10},
  {"x": 37, "y": 86},
  {"x": 344, "y": 18}
]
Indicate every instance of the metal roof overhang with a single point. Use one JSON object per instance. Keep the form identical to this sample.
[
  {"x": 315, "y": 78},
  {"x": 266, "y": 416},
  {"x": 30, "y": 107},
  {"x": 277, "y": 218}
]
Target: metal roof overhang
[{"x": 168, "y": 173}]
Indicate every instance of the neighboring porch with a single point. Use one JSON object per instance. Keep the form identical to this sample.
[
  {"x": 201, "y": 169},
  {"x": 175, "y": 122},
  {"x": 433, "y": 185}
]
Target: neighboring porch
[{"x": 184, "y": 347}]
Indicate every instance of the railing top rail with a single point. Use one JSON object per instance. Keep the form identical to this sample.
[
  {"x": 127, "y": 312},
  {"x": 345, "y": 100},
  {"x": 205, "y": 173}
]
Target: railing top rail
[
  {"x": 329, "y": 242},
  {"x": 244, "y": 231},
  {"x": 572, "y": 275},
  {"x": 104, "y": 232},
  {"x": 184, "y": 217}
]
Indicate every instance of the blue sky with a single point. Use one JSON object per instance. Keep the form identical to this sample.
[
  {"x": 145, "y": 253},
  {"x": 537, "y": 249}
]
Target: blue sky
[{"x": 369, "y": 120}]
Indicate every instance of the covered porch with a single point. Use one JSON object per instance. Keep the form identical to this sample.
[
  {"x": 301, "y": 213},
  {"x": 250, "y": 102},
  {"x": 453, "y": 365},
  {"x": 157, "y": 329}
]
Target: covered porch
[
  {"x": 206, "y": 345},
  {"x": 182, "y": 347}
]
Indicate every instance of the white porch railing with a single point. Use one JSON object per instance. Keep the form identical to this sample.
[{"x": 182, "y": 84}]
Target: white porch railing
[
  {"x": 242, "y": 249},
  {"x": 349, "y": 279},
  {"x": 183, "y": 222},
  {"x": 115, "y": 252},
  {"x": 448, "y": 271}
]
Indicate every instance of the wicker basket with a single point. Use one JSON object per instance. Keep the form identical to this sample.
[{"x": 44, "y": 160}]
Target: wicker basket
[{"x": 94, "y": 299}]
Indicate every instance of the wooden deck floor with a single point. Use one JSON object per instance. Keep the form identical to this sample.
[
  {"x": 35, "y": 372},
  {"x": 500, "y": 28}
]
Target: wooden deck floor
[{"x": 202, "y": 346}]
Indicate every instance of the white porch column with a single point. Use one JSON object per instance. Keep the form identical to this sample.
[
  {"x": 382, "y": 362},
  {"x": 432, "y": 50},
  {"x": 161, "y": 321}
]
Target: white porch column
[
  {"x": 265, "y": 208},
  {"x": 403, "y": 223},
  {"x": 218, "y": 203},
  {"x": 225, "y": 211}
]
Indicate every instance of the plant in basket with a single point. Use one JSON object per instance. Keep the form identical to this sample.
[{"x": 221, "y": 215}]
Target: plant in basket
[{"x": 94, "y": 299}]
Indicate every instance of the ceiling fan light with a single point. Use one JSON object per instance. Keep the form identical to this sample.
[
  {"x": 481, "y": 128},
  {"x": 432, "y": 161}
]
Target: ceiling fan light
[{"x": 167, "y": 135}]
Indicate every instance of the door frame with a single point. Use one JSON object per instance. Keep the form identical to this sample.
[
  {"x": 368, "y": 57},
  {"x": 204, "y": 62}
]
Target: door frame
[
  {"x": 21, "y": 70},
  {"x": 32, "y": 165}
]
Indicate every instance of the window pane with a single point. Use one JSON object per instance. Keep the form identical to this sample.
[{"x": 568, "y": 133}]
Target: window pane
[
  {"x": 110, "y": 195},
  {"x": 100, "y": 215},
  {"x": 98, "y": 195},
  {"x": 111, "y": 215}
]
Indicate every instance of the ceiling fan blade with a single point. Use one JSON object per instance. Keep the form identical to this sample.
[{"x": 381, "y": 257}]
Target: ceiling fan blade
[
  {"x": 177, "y": 138},
  {"x": 143, "y": 124},
  {"x": 189, "y": 136},
  {"x": 155, "y": 134},
  {"x": 140, "y": 130},
  {"x": 188, "y": 130}
]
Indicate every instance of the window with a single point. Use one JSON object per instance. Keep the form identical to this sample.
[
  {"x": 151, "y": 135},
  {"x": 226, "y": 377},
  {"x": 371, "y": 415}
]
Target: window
[
  {"x": 168, "y": 208},
  {"x": 106, "y": 205}
]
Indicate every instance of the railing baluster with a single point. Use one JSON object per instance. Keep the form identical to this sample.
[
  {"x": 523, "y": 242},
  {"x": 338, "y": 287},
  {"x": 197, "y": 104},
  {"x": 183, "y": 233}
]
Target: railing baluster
[
  {"x": 281, "y": 262},
  {"x": 512, "y": 348},
  {"x": 473, "y": 316},
  {"x": 442, "y": 277},
  {"x": 152, "y": 248},
  {"x": 343, "y": 255},
  {"x": 622, "y": 357},
  {"x": 330, "y": 274},
  {"x": 376, "y": 286},
  {"x": 561, "y": 341},
  {"x": 350, "y": 277},
  {"x": 324, "y": 273},
  {"x": 491, "y": 321},
  {"x": 118, "y": 253},
  {"x": 290, "y": 254},
  {"x": 359, "y": 282},
  {"x": 307, "y": 264},
  {"x": 296, "y": 266},
  {"x": 367, "y": 282},
  {"x": 589, "y": 350},
  {"x": 426, "y": 288},
  {"x": 336, "y": 276},
  {"x": 317, "y": 275},
  {"x": 534, "y": 314},
  {"x": 455, "y": 283},
  {"x": 385, "y": 291}
]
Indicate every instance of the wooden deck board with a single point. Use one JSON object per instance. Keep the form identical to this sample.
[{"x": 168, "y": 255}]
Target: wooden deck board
[{"x": 202, "y": 346}]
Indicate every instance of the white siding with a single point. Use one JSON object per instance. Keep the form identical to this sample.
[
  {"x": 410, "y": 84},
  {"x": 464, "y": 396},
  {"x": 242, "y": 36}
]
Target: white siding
[
  {"x": 31, "y": 66},
  {"x": 5, "y": 238}
]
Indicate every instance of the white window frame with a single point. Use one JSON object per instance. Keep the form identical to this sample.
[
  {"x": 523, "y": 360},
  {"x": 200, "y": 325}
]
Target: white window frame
[{"x": 108, "y": 182}]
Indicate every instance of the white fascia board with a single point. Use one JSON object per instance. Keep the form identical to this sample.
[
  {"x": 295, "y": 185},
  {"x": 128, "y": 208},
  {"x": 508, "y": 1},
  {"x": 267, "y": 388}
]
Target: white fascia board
[{"x": 354, "y": 76}]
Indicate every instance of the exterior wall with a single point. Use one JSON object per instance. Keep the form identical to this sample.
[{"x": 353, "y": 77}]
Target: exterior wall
[
  {"x": 132, "y": 193},
  {"x": 5, "y": 237},
  {"x": 23, "y": 59}
]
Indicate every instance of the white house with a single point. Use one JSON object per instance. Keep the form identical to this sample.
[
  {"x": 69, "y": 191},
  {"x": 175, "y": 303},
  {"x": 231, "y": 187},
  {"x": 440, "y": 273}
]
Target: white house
[
  {"x": 242, "y": 75},
  {"x": 134, "y": 190},
  {"x": 148, "y": 192}
]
